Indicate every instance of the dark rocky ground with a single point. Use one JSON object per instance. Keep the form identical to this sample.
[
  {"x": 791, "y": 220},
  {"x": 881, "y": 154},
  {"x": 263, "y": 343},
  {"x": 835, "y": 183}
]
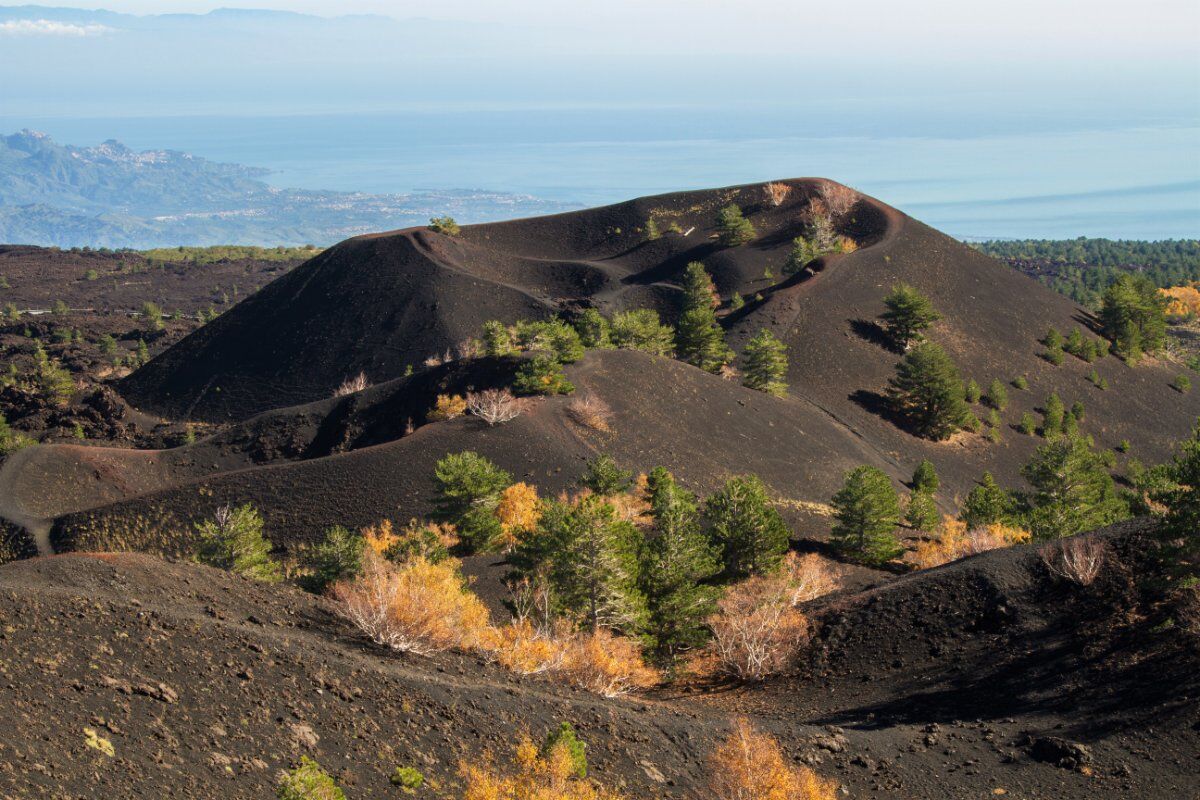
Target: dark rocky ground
[{"x": 983, "y": 678}]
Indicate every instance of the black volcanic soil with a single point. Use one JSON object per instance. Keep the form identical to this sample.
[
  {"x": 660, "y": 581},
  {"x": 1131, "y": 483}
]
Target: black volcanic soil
[
  {"x": 383, "y": 303},
  {"x": 104, "y": 291},
  {"x": 933, "y": 686}
]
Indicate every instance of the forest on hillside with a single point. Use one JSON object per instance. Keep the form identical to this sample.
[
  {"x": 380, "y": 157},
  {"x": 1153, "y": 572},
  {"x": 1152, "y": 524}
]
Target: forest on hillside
[{"x": 1082, "y": 268}]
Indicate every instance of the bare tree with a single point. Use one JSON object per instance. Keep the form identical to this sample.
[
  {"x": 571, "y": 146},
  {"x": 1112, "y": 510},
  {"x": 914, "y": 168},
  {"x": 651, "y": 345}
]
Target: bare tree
[
  {"x": 776, "y": 193},
  {"x": 1078, "y": 559},
  {"x": 352, "y": 385},
  {"x": 837, "y": 198},
  {"x": 494, "y": 406}
]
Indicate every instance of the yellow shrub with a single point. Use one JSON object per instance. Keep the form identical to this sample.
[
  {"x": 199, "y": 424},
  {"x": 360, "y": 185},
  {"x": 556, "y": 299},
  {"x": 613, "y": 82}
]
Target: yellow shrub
[
  {"x": 380, "y": 537},
  {"x": 599, "y": 662},
  {"x": 519, "y": 512},
  {"x": 420, "y": 607},
  {"x": 809, "y": 576},
  {"x": 748, "y": 765},
  {"x": 955, "y": 541},
  {"x": 534, "y": 776},
  {"x": 1182, "y": 300},
  {"x": 448, "y": 406},
  {"x": 606, "y": 664}
]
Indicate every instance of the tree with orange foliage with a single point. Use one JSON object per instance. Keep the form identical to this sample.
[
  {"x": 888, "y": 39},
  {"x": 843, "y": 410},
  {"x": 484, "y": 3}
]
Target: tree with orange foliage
[
  {"x": 519, "y": 512},
  {"x": 749, "y": 765},
  {"x": 536, "y": 774},
  {"x": 420, "y": 608}
]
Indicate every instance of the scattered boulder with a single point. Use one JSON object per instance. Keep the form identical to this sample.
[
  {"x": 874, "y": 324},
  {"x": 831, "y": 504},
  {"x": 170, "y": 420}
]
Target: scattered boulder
[{"x": 1060, "y": 752}]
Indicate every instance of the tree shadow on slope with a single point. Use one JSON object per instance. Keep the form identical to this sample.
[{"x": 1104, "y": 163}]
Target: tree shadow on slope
[
  {"x": 879, "y": 405},
  {"x": 873, "y": 332}
]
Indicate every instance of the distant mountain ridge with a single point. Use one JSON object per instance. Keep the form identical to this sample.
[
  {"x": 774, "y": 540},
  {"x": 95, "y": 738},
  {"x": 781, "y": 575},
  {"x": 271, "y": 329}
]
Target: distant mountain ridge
[{"x": 109, "y": 195}]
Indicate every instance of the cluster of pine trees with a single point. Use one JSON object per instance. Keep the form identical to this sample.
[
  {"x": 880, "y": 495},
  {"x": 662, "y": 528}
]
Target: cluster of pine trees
[{"x": 644, "y": 558}]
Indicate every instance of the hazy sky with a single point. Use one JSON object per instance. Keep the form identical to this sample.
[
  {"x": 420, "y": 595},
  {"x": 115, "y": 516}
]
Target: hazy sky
[{"x": 1099, "y": 28}]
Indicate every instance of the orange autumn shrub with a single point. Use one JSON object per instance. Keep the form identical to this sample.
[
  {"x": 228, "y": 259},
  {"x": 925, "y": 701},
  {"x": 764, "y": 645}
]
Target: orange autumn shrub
[
  {"x": 448, "y": 406},
  {"x": 606, "y": 664},
  {"x": 954, "y": 541},
  {"x": 534, "y": 775},
  {"x": 1182, "y": 300},
  {"x": 519, "y": 512},
  {"x": 749, "y": 765},
  {"x": 419, "y": 607}
]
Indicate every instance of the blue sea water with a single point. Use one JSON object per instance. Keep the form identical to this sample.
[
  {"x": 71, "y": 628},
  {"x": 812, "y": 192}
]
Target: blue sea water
[{"x": 1005, "y": 177}]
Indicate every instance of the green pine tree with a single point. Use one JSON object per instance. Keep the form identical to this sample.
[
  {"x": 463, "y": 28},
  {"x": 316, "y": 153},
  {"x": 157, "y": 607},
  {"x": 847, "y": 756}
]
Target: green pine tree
[
  {"x": 997, "y": 395},
  {"x": 1133, "y": 314},
  {"x": 337, "y": 557},
  {"x": 641, "y": 329},
  {"x": 766, "y": 364},
  {"x": 605, "y": 478},
  {"x": 675, "y": 562},
  {"x": 589, "y": 556},
  {"x": 922, "y": 513},
  {"x": 497, "y": 339},
  {"x": 468, "y": 491},
  {"x": 908, "y": 313},
  {"x": 747, "y": 527},
  {"x": 925, "y": 477},
  {"x": 927, "y": 392},
  {"x": 867, "y": 513},
  {"x": 234, "y": 541},
  {"x": 1072, "y": 490},
  {"x": 1053, "y": 415},
  {"x": 733, "y": 228},
  {"x": 699, "y": 338},
  {"x": 1177, "y": 548},
  {"x": 594, "y": 330},
  {"x": 986, "y": 503}
]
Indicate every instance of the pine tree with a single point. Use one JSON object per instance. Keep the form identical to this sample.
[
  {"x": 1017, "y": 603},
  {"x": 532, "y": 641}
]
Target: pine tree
[
  {"x": 590, "y": 559},
  {"x": 1133, "y": 314},
  {"x": 1052, "y": 417},
  {"x": 971, "y": 391},
  {"x": 867, "y": 512},
  {"x": 927, "y": 392},
  {"x": 594, "y": 330},
  {"x": 1178, "y": 537},
  {"x": 907, "y": 314},
  {"x": 605, "y": 478},
  {"x": 641, "y": 329},
  {"x": 234, "y": 541},
  {"x": 747, "y": 527},
  {"x": 497, "y": 339},
  {"x": 1072, "y": 490},
  {"x": 925, "y": 477},
  {"x": 468, "y": 492},
  {"x": 698, "y": 288},
  {"x": 733, "y": 228},
  {"x": 674, "y": 563},
  {"x": 922, "y": 513},
  {"x": 997, "y": 395},
  {"x": 986, "y": 503},
  {"x": 337, "y": 557},
  {"x": 699, "y": 338},
  {"x": 766, "y": 364}
]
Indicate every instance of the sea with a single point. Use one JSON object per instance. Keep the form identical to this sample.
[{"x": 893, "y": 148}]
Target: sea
[{"x": 1000, "y": 178}]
